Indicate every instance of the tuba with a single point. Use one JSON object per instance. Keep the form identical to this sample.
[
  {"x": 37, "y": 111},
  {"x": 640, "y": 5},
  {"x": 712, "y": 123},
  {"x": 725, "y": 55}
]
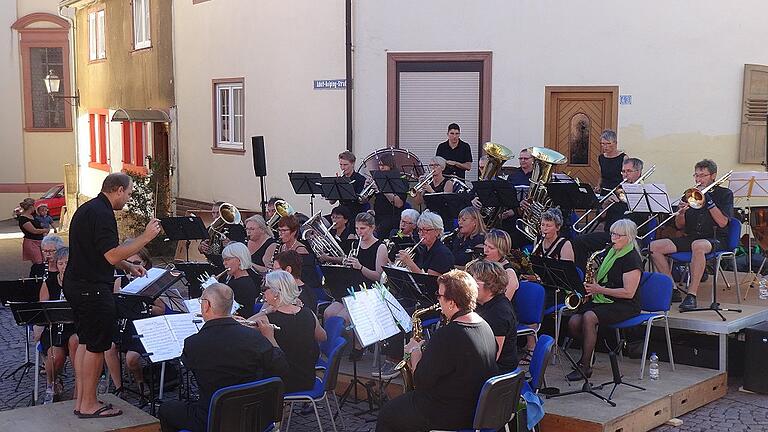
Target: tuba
[
  {"x": 282, "y": 209},
  {"x": 228, "y": 215},
  {"x": 320, "y": 238},
  {"x": 497, "y": 156},
  {"x": 544, "y": 162},
  {"x": 418, "y": 335}
]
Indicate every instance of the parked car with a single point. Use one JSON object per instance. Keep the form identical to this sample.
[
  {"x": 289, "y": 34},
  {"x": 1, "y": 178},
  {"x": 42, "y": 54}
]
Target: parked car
[{"x": 54, "y": 197}]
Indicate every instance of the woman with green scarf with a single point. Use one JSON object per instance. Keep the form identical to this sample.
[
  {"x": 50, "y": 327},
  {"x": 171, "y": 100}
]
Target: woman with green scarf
[{"x": 613, "y": 296}]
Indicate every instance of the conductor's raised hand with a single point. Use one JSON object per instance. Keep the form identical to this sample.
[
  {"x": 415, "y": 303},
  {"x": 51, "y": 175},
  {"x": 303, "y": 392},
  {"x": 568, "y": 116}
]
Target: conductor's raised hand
[{"x": 152, "y": 229}]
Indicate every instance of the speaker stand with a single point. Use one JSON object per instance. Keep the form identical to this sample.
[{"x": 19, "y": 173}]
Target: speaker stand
[{"x": 263, "y": 198}]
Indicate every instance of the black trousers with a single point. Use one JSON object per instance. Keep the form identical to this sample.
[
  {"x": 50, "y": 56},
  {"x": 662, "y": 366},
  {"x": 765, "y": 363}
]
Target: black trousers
[
  {"x": 178, "y": 415},
  {"x": 400, "y": 415}
]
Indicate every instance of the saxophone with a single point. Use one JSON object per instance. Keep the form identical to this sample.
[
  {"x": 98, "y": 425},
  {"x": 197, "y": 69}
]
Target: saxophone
[
  {"x": 418, "y": 335},
  {"x": 575, "y": 299}
]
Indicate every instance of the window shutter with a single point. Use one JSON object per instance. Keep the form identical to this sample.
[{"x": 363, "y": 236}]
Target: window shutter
[
  {"x": 92, "y": 36},
  {"x": 754, "y": 114},
  {"x": 429, "y": 102}
]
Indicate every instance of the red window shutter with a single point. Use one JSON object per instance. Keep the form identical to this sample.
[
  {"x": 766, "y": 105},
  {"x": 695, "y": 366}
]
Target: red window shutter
[
  {"x": 138, "y": 134},
  {"x": 102, "y": 139},
  {"x": 92, "y": 127},
  {"x": 126, "y": 142}
]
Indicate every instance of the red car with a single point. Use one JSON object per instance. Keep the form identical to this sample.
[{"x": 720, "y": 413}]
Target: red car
[{"x": 54, "y": 197}]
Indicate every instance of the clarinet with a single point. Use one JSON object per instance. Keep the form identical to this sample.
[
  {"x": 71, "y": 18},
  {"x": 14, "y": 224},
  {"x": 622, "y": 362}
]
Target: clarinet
[{"x": 278, "y": 246}]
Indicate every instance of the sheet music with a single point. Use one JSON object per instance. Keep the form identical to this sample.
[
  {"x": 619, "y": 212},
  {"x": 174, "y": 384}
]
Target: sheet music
[
  {"x": 384, "y": 321},
  {"x": 182, "y": 326},
  {"x": 657, "y": 198},
  {"x": 397, "y": 310},
  {"x": 193, "y": 306},
  {"x": 362, "y": 320},
  {"x": 142, "y": 282},
  {"x": 158, "y": 339},
  {"x": 373, "y": 322}
]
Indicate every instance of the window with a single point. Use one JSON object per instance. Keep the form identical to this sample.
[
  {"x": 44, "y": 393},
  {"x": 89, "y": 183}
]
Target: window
[
  {"x": 230, "y": 115},
  {"x": 136, "y": 145},
  {"x": 97, "y": 125},
  {"x": 96, "y": 37},
  {"x": 46, "y": 112},
  {"x": 141, "y": 35}
]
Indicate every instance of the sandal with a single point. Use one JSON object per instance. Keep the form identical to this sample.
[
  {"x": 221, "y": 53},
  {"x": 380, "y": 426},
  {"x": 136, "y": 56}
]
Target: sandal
[
  {"x": 527, "y": 356},
  {"x": 99, "y": 413}
]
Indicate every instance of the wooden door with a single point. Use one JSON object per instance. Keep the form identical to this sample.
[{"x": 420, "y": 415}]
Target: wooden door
[
  {"x": 574, "y": 117},
  {"x": 161, "y": 167}
]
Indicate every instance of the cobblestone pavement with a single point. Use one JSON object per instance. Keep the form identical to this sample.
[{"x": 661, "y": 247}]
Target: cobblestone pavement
[{"x": 737, "y": 411}]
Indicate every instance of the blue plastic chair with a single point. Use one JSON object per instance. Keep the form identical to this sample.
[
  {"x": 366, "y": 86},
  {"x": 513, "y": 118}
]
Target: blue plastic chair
[
  {"x": 542, "y": 356},
  {"x": 333, "y": 326},
  {"x": 253, "y": 406},
  {"x": 528, "y": 303},
  {"x": 324, "y": 387},
  {"x": 655, "y": 299},
  {"x": 729, "y": 251},
  {"x": 497, "y": 402}
]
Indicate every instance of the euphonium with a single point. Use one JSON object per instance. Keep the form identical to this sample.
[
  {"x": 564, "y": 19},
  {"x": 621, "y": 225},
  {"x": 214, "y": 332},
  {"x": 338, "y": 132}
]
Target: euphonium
[
  {"x": 544, "y": 161},
  {"x": 282, "y": 209},
  {"x": 418, "y": 335},
  {"x": 320, "y": 238},
  {"x": 228, "y": 215},
  {"x": 497, "y": 156}
]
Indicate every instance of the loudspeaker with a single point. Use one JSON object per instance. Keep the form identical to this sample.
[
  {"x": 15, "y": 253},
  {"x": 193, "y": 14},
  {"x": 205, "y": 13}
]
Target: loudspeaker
[
  {"x": 259, "y": 157},
  {"x": 755, "y": 372}
]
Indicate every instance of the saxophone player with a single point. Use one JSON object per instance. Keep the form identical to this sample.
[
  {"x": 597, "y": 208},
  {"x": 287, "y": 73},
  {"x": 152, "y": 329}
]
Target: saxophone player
[
  {"x": 613, "y": 291},
  {"x": 706, "y": 230},
  {"x": 446, "y": 384}
]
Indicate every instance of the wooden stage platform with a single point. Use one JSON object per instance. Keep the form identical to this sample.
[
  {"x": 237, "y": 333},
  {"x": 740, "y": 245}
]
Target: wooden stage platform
[
  {"x": 674, "y": 394},
  {"x": 58, "y": 417}
]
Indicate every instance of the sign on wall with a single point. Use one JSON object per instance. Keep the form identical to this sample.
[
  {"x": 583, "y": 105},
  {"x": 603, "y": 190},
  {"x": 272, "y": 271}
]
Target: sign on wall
[{"x": 337, "y": 84}]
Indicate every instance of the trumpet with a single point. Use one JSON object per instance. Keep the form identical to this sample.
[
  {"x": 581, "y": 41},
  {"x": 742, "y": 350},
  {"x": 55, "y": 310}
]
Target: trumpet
[
  {"x": 425, "y": 180},
  {"x": 693, "y": 197},
  {"x": 353, "y": 252},
  {"x": 207, "y": 280},
  {"x": 368, "y": 191},
  {"x": 411, "y": 251},
  {"x": 618, "y": 192}
]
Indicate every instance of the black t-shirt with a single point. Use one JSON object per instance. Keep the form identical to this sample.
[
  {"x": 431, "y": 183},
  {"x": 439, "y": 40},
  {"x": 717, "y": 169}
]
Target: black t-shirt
[
  {"x": 610, "y": 170},
  {"x": 519, "y": 178},
  {"x": 699, "y": 222},
  {"x": 457, "y": 361},
  {"x": 462, "y": 153},
  {"x": 462, "y": 248},
  {"x": 296, "y": 338},
  {"x": 35, "y": 223},
  {"x": 354, "y": 206},
  {"x": 387, "y": 215},
  {"x": 500, "y": 315},
  {"x": 625, "y": 264},
  {"x": 92, "y": 233},
  {"x": 246, "y": 292},
  {"x": 54, "y": 288},
  {"x": 439, "y": 258}
]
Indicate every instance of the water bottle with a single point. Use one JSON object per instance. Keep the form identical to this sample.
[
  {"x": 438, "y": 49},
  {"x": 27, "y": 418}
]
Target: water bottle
[
  {"x": 763, "y": 288},
  {"x": 102, "y": 387},
  {"x": 653, "y": 369}
]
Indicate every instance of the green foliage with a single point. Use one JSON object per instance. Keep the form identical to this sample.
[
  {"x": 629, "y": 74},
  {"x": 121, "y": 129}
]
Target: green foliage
[{"x": 143, "y": 206}]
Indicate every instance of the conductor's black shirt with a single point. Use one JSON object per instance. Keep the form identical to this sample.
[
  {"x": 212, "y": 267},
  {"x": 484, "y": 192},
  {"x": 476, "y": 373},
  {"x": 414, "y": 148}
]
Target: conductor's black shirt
[{"x": 92, "y": 233}]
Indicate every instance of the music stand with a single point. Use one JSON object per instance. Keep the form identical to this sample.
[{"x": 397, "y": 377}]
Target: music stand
[
  {"x": 338, "y": 189},
  {"x": 339, "y": 279},
  {"x": 417, "y": 287},
  {"x": 307, "y": 183},
  {"x": 447, "y": 205},
  {"x": 496, "y": 193},
  {"x": 748, "y": 184},
  {"x": 185, "y": 228},
  {"x": 192, "y": 272},
  {"x": 569, "y": 195},
  {"x": 45, "y": 313},
  {"x": 390, "y": 182},
  {"x": 23, "y": 290}
]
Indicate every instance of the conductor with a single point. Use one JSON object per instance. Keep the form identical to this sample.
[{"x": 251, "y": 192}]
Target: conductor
[{"x": 95, "y": 251}]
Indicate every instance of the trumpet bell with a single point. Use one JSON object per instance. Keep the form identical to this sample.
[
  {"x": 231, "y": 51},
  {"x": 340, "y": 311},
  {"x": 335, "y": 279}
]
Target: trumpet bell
[
  {"x": 283, "y": 208},
  {"x": 229, "y": 213}
]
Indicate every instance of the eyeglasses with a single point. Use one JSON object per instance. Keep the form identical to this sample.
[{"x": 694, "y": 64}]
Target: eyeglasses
[
  {"x": 627, "y": 171},
  {"x": 438, "y": 295},
  {"x": 201, "y": 300},
  {"x": 701, "y": 175},
  {"x": 434, "y": 165},
  {"x": 426, "y": 229},
  {"x": 615, "y": 234},
  {"x": 524, "y": 158},
  {"x": 49, "y": 251},
  {"x": 285, "y": 230}
]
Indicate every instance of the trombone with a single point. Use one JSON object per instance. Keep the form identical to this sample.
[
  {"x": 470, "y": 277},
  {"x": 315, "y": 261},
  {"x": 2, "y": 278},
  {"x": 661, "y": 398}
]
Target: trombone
[
  {"x": 618, "y": 192},
  {"x": 692, "y": 196}
]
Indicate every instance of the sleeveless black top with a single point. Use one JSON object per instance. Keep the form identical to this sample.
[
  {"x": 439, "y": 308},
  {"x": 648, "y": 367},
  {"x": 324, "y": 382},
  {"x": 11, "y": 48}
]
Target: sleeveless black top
[
  {"x": 258, "y": 256},
  {"x": 553, "y": 251},
  {"x": 440, "y": 187},
  {"x": 610, "y": 170},
  {"x": 54, "y": 287},
  {"x": 367, "y": 257}
]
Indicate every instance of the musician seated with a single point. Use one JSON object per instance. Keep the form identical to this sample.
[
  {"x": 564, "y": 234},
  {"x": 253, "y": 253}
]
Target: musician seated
[
  {"x": 299, "y": 333},
  {"x": 387, "y": 206},
  {"x": 471, "y": 233},
  {"x": 48, "y": 246},
  {"x": 585, "y": 245},
  {"x": 406, "y": 235},
  {"x": 439, "y": 183},
  {"x": 447, "y": 384},
  {"x": 290, "y": 261},
  {"x": 551, "y": 244},
  {"x": 496, "y": 248},
  {"x": 369, "y": 259},
  {"x": 271, "y": 210},
  {"x": 288, "y": 231},
  {"x": 259, "y": 238},
  {"x": 612, "y": 297},
  {"x": 246, "y": 285},
  {"x": 433, "y": 257},
  {"x": 342, "y": 230},
  {"x": 494, "y": 307},
  {"x": 522, "y": 176},
  {"x": 204, "y": 247},
  {"x": 251, "y": 355},
  {"x": 60, "y": 340},
  {"x": 706, "y": 230}
]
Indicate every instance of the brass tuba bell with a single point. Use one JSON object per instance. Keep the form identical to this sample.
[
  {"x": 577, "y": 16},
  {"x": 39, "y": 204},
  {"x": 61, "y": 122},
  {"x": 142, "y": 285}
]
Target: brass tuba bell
[
  {"x": 544, "y": 162},
  {"x": 228, "y": 215},
  {"x": 497, "y": 156}
]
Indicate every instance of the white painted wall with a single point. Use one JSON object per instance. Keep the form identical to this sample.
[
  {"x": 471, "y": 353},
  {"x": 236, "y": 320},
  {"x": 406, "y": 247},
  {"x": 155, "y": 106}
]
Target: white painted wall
[
  {"x": 681, "y": 61},
  {"x": 280, "y": 48}
]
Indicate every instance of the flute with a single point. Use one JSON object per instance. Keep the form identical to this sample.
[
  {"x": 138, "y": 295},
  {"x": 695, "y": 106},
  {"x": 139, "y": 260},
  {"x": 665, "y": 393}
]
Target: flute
[{"x": 246, "y": 322}]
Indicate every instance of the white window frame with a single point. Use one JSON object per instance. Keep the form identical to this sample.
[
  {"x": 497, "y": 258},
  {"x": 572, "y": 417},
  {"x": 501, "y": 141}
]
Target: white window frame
[
  {"x": 141, "y": 24},
  {"x": 96, "y": 36},
  {"x": 230, "y": 142}
]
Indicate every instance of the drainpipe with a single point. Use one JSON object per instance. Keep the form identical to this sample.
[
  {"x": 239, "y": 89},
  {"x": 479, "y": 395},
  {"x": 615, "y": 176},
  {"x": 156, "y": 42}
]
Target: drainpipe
[
  {"x": 348, "y": 61},
  {"x": 74, "y": 90}
]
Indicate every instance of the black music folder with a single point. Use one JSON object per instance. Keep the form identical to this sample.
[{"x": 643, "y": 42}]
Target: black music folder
[{"x": 558, "y": 274}]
